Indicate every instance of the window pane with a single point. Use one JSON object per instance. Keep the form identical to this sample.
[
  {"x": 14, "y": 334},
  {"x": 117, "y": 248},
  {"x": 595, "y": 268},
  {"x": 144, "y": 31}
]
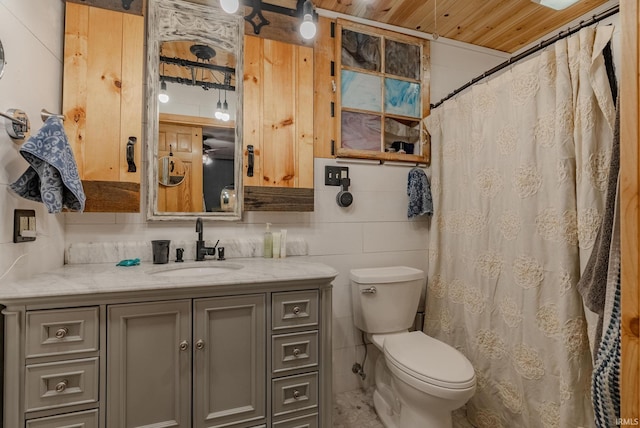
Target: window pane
[
  {"x": 361, "y": 91},
  {"x": 402, "y": 59},
  {"x": 401, "y": 135},
  {"x": 402, "y": 98},
  {"x": 361, "y": 131},
  {"x": 360, "y": 50}
]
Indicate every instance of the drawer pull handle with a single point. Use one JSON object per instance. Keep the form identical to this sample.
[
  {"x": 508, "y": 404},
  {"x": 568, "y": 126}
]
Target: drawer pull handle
[
  {"x": 200, "y": 344},
  {"x": 62, "y": 385},
  {"x": 184, "y": 345},
  {"x": 62, "y": 332},
  {"x": 296, "y": 394},
  {"x": 296, "y": 310},
  {"x": 296, "y": 352}
]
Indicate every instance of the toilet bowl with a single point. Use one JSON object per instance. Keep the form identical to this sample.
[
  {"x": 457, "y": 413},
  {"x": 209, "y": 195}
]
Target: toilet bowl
[{"x": 419, "y": 380}]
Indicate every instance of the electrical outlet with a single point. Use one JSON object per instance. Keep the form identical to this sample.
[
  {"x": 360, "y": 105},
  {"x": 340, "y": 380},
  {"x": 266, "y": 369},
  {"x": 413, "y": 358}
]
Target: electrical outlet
[{"x": 333, "y": 175}]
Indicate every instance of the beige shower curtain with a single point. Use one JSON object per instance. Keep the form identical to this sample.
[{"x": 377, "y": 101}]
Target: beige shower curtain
[{"x": 518, "y": 177}]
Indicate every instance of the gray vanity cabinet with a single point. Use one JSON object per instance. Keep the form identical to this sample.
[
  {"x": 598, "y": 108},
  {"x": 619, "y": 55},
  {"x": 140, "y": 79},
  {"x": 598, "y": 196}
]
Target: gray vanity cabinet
[
  {"x": 149, "y": 364},
  {"x": 229, "y": 358},
  {"x": 151, "y": 349}
]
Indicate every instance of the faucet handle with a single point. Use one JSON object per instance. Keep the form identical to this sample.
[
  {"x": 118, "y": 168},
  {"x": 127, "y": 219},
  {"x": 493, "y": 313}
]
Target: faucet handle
[{"x": 179, "y": 255}]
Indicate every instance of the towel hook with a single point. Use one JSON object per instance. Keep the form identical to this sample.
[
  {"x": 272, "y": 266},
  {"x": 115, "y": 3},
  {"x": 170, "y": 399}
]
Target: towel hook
[{"x": 18, "y": 125}]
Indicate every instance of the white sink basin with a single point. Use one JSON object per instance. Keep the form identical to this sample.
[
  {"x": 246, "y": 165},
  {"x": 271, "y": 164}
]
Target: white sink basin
[{"x": 191, "y": 270}]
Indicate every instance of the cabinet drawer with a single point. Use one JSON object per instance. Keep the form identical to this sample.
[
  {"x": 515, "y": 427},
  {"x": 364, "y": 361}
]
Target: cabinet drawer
[
  {"x": 88, "y": 419},
  {"x": 59, "y": 384},
  {"x": 295, "y": 393},
  {"x": 294, "y": 351},
  {"x": 294, "y": 309},
  {"x": 60, "y": 332},
  {"x": 308, "y": 421}
]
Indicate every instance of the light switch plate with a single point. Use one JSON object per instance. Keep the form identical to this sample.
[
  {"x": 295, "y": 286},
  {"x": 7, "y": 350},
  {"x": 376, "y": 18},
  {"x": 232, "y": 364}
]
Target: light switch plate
[{"x": 24, "y": 225}]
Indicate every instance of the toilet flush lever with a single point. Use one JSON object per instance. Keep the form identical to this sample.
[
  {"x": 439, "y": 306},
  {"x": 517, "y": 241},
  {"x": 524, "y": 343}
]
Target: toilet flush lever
[{"x": 370, "y": 290}]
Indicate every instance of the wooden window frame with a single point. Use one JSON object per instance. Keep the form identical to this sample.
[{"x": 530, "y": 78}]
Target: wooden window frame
[{"x": 424, "y": 155}]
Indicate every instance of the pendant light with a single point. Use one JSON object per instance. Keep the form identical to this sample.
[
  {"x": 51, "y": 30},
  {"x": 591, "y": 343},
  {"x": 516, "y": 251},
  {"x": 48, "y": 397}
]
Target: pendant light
[
  {"x": 308, "y": 27},
  {"x": 163, "y": 96},
  {"x": 218, "y": 113},
  {"x": 225, "y": 109},
  {"x": 230, "y": 6}
]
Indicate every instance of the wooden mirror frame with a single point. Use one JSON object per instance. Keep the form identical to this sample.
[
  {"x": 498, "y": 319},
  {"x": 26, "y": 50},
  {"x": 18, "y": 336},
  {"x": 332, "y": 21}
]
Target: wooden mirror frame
[{"x": 173, "y": 20}]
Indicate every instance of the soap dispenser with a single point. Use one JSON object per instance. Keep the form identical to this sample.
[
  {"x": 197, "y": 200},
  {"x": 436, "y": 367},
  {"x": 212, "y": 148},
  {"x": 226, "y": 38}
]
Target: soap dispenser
[{"x": 268, "y": 243}]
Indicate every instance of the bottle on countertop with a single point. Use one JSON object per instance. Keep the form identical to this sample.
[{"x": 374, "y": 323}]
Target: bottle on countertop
[{"x": 268, "y": 243}]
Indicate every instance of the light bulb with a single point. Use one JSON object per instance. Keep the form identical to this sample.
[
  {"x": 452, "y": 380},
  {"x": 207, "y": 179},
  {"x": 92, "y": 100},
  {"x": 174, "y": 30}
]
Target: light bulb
[
  {"x": 308, "y": 27},
  {"x": 230, "y": 6},
  {"x": 163, "y": 97},
  {"x": 218, "y": 115},
  {"x": 225, "y": 117}
]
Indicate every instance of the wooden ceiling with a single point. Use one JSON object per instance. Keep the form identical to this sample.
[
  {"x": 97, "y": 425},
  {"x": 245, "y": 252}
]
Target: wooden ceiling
[{"x": 505, "y": 25}]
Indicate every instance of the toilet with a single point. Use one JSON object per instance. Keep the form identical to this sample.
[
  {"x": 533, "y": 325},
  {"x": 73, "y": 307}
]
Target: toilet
[{"x": 419, "y": 380}]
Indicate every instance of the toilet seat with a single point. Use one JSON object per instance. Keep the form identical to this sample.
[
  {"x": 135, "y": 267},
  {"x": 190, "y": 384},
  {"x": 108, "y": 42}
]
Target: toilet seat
[{"x": 425, "y": 362}]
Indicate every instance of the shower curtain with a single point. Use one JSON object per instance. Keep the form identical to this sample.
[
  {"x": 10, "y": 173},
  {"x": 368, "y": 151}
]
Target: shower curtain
[{"x": 519, "y": 172}]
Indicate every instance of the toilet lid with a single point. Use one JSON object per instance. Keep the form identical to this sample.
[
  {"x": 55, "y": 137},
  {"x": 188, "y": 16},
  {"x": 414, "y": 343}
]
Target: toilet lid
[{"x": 429, "y": 360}]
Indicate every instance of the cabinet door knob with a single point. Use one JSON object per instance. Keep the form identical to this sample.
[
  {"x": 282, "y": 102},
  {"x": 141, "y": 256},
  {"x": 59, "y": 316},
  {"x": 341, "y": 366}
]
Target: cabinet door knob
[
  {"x": 184, "y": 345},
  {"x": 62, "y": 332},
  {"x": 296, "y": 310},
  {"x": 62, "y": 385},
  {"x": 296, "y": 394},
  {"x": 200, "y": 344},
  {"x": 296, "y": 352}
]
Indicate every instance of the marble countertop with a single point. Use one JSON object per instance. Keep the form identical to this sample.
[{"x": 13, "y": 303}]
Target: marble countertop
[{"x": 104, "y": 278}]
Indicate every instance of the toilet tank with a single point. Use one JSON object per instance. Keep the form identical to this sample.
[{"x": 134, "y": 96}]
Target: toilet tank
[{"x": 385, "y": 299}]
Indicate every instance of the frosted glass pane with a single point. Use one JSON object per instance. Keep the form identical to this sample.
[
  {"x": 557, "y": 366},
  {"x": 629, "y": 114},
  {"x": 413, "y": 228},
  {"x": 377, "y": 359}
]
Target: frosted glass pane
[
  {"x": 402, "y": 59},
  {"x": 360, "y": 50},
  {"x": 402, "y": 98},
  {"x": 361, "y": 91},
  {"x": 361, "y": 131}
]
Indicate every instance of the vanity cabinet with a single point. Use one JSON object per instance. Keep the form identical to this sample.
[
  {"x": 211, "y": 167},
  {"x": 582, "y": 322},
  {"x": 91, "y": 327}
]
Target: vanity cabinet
[
  {"x": 278, "y": 126},
  {"x": 235, "y": 354},
  {"x": 102, "y": 103},
  {"x": 158, "y": 353}
]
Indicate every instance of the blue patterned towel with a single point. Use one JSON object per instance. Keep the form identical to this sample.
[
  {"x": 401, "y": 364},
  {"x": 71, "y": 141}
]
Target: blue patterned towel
[
  {"x": 419, "y": 191},
  {"x": 52, "y": 177}
]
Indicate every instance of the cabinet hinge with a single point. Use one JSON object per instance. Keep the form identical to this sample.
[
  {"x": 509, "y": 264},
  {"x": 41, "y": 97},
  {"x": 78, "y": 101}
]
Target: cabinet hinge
[
  {"x": 333, "y": 30},
  {"x": 333, "y": 68},
  {"x": 333, "y": 109}
]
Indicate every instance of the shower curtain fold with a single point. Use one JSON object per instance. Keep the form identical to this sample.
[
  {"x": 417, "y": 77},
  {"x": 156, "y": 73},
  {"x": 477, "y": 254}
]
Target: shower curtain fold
[{"x": 518, "y": 177}]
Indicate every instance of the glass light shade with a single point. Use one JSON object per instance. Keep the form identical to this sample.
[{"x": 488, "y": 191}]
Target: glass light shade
[
  {"x": 556, "y": 4},
  {"x": 308, "y": 27},
  {"x": 230, "y": 6},
  {"x": 163, "y": 97}
]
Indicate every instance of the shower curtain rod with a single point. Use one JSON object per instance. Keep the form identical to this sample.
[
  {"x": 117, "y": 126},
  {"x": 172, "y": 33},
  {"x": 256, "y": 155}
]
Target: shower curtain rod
[{"x": 543, "y": 44}]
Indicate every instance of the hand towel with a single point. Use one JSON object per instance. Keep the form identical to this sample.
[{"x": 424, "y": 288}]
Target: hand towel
[
  {"x": 52, "y": 177},
  {"x": 419, "y": 191},
  {"x": 593, "y": 282}
]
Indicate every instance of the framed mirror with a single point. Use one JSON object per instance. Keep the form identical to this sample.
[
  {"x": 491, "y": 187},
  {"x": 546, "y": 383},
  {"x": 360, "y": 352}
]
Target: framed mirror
[{"x": 194, "y": 111}]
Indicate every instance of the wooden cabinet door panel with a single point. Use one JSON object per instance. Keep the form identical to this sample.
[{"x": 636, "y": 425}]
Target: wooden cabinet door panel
[
  {"x": 230, "y": 362},
  {"x": 148, "y": 372},
  {"x": 102, "y": 103}
]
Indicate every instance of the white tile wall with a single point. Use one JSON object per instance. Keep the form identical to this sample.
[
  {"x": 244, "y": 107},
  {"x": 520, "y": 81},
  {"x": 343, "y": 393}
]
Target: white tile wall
[{"x": 31, "y": 33}]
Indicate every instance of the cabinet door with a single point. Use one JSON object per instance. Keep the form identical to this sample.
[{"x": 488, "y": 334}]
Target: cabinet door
[
  {"x": 230, "y": 361},
  {"x": 149, "y": 365},
  {"x": 278, "y": 124},
  {"x": 102, "y": 103}
]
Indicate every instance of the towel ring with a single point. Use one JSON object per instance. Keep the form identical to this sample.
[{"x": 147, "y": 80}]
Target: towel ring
[{"x": 17, "y": 124}]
